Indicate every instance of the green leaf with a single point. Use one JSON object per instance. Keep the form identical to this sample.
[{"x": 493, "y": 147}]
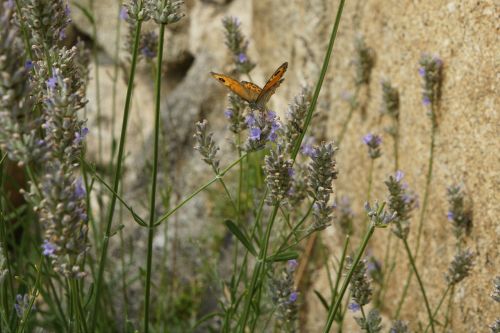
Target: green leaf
[
  {"x": 240, "y": 234},
  {"x": 283, "y": 256},
  {"x": 322, "y": 300}
]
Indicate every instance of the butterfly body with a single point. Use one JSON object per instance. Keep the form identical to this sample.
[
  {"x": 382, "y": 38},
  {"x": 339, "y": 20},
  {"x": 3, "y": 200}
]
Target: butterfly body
[{"x": 256, "y": 97}]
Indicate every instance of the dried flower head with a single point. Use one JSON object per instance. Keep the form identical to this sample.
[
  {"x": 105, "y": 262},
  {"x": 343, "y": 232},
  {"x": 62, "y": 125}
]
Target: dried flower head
[
  {"x": 373, "y": 321},
  {"x": 296, "y": 116},
  {"x": 206, "y": 145},
  {"x": 235, "y": 114},
  {"x": 237, "y": 44},
  {"x": 165, "y": 11},
  {"x": 361, "y": 291},
  {"x": 373, "y": 142},
  {"x": 378, "y": 216},
  {"x": 279, "y": 174},
  {"x": 345, "y": 215},
  {"x": 322, "y": 172},
  {"x": 390, "y": 100},
  {"x": 285, "y": 297},
  {"x": 431, "y": 70},
  {"x": 148, "y": 45},
  {"x": 401, "y": 203},
  {"x": 364, "y": 61},
  {"x": 460, "y": 267},
  {"x": 459, "y": 216},
  {"x": 399, "y": 326}
]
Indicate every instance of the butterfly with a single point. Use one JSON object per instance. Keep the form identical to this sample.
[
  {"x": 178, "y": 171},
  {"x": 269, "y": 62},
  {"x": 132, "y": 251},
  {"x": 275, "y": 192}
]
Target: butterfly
[{"x": 255, "y": 96}]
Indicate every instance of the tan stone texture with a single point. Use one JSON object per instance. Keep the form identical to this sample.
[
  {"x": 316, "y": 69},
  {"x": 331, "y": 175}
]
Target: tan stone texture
[{"x": 465, "y": 35}]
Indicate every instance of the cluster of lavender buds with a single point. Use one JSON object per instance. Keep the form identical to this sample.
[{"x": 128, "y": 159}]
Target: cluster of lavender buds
[
  {"x": 363, "y": 61},
  {"x": 298, "y": 191},
  {"x": 235, "y": 114},
  {"x": 206, "y": 145},
  {"x": 279, "y": 173},
  {"x": 18, "y": 124},
  {"x": 345, "y": 215},
  {"x": 378, "y": 216},
  {"x": 296, "y": 116},
  {"x": 22, "y": 304},
  {"x": 399, "y": 326},
  {"x": 322, "y": 172},
  {"x": 285, "y": 297},
  {"x": 460, "y": 267},
  {"x": 165, "y": 11},
  {"x": 237, "y": 44},
  {"x": 373, "y": 142},
  {"x": 307, "y": 147},
  {"x": 431, "y": 70},
  {"x": 374, "y": 269},
  {"x": 401, "y": 203},
  {"x": 148, "y": 45},
  {"x": 46, "y": 20},
  {"x": 361, "y": 291},
  {"x": 372, "y": 324},
  {"x": 390, "y": 105},
  {"x": 263, "y": 127},
  {"x": 458, "y": 215}
]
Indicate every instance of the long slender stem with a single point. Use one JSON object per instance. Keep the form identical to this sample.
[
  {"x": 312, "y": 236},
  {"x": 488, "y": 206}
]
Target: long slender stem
[
  {"x": 422, "y": 289},
  {"x": 364, "y": 317},
  {"x": 439, "y": 305},
  {"x": 333, "y": 310},
  {"x": 116, "y": 182},
  {"x": 154, "y": 179},
  {"x": 423, "y": 211}
]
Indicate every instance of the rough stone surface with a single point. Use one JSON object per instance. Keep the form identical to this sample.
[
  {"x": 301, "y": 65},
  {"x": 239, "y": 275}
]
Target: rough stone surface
[{"x": 463, "y": 33}]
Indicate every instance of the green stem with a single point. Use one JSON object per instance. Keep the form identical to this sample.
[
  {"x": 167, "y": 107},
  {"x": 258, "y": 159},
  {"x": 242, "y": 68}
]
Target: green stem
[
  {"x": 339, "y": 272},
  {"x": 116, "y": 182},
  {"x": 424, "y": 209},
  {"x": 349, "y": 116},
  {"x": 364, "y": 318},
  {"x": 439, "y": 305},
  {"x": 201, "y": 188},
  {"x": 333, "y": 310},
  {"x": 321, "y": 78},
  {"x": 422, "y": 289},
  {"x": 154, "y": 179},
  {"x": 258, "y": 271},
  {"x": 34, "y": 294}
]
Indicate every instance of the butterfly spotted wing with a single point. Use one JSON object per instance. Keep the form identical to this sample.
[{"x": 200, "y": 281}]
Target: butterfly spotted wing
[
  {"x": 271, "y": 85},
  {"x": 246, "y": 90}
]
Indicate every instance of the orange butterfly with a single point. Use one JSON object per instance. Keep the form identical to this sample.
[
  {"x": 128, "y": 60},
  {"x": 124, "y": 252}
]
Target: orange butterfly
[{"x": 257, "y": 97}]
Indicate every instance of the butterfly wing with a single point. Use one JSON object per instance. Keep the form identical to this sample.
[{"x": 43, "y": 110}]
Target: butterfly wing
[
  {"x": 271, "y": 85},
  {"x": 246, "y": 90}
]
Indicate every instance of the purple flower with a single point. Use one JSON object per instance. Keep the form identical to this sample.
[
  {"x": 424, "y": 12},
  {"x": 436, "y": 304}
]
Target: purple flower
[
  {"x": 48, "y": 248},
  {"x": 353, "y": 306},
  {"x": 80, "y": 136},
  {"x": 421, "y": 71},
  {"x": 52, "y": 82},
  {"x": 250, "y": 120},
  {"x": 255, "y": 133},
  {"x": 123, "y": 13},
  {"x": 271, "y": 115},
  {"x": 67, "y": 10},
  {"x": 9, "y": 4},
  {"x": 147, "y": 52},
  {"x": 292, "y": 265},
  {"x": 450, "y": 216},
  {"x": 372, "y": 139},
  {"x": 307, "y": 149},
  {"x": 79, "y": 189},
  {"x": 228, "y": 113},
  {"x": 426, "y": 101},
  {"x": 399, "y": 175},
  {"x": 293, "y": 297},
  {"x": 28, "y": 64},
  {"x": 242, "y": 58},
  {"x": 291, "y": 172}
]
